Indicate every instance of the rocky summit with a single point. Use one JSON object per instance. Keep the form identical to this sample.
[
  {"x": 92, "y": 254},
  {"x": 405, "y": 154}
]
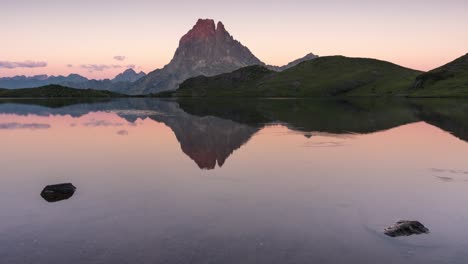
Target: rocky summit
[
  {"x": 129, "y": 75},
  {"x": 207, "y": 49}
]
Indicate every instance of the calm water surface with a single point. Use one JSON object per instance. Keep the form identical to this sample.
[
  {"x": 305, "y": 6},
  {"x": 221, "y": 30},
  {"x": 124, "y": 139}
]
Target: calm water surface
[{"x": 270, "y": 181}]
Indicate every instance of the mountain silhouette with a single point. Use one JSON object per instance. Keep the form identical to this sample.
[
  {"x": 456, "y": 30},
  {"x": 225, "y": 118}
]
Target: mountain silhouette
[{"x": 207, "y": 49}]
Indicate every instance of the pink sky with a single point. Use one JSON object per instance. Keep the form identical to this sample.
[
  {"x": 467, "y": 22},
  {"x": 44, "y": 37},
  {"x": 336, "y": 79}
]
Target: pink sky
[{"x": 416, "y": 34}]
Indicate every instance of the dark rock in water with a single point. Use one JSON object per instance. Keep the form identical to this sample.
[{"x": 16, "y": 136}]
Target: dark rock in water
[
  {"x": 406, "y": 228},
  {"x": 58, "y": 192}
]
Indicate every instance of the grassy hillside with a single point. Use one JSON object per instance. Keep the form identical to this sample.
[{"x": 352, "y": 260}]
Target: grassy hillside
[
  {"x": 448, "y": 80},
  {"x": 236, "y": 83},
  {"x": 337, "y": 75},
  {"x": 325, "y": 76},
  {"x": 55, "y": 91}
]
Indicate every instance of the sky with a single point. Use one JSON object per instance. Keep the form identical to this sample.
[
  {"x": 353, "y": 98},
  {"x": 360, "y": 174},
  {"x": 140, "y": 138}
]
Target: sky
[{"x": 99, "y": 39}]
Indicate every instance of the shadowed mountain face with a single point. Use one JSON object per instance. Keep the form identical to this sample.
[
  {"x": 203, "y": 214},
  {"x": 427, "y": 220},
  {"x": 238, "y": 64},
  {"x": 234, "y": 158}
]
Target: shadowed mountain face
[
  {"x": 207, "y": 50},
  {"x": 209, "y": 131}
]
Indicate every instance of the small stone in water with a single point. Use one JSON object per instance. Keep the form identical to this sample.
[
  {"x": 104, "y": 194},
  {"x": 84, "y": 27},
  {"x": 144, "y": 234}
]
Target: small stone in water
[{"x": 406, "y": 228}]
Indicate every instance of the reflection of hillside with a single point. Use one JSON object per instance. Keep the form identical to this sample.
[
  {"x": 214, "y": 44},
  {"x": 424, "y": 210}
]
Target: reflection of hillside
[
  {"x": 209, "y": 131},
  {"x": 448, "y": 114},
  {"x": 358, "y": 115},
  {"x": 331, "y": 116}
]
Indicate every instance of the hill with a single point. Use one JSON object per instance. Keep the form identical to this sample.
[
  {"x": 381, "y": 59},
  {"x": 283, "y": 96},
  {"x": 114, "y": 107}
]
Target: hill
[
  {"x": 325, "y": 76},
  {"x": 448, "y": 80},
  {"x": 56, "y": 91}
]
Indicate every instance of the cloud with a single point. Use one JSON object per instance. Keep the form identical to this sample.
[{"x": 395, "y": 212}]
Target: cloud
[
  {"x": 23, "y": 126},
  {"x": 24, "y": 64},
  {"x": 101, "y": 123},
  {"x": 70, "y": 65},
  {"x": 122, "y": 132},
  {"x": 120, "y": 58},
  {"x": 132, "y": 66},
  {"x": 99, "y": 67}
]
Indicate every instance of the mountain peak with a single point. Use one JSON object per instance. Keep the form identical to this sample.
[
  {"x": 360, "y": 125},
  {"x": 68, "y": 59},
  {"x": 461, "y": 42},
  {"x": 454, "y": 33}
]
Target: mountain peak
[
  {"x": 209, "y": 23},
  {"x": 130, "y": 70},
  {"x": 129, "y": 75},
  {"x": 204, "y": 29},
  {"x": 220, "y": 26}
]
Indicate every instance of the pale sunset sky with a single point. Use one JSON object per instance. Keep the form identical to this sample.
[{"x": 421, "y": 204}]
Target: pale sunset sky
[{"x": 99, "y": 39}]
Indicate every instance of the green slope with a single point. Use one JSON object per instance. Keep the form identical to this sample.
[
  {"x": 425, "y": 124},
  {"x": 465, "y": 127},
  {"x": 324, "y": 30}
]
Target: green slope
[
  {"x": 55, "y": 91},
  {"x": 237, "y": 83},
  {"x": 325, "y": 76},
  {"x": 448, "y": 80}
]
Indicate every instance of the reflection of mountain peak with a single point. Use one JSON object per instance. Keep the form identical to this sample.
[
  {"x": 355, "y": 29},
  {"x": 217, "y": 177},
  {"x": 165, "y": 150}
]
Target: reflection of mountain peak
[
  {"x": 211, "y": 140},
  {"x": 206, "y": 140}
]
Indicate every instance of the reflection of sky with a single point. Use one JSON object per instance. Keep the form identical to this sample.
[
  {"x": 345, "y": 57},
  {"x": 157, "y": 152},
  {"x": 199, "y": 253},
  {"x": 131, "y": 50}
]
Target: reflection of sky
[
  {"x": 140, "y": 193},
  {"x": 15, "y": 125}
]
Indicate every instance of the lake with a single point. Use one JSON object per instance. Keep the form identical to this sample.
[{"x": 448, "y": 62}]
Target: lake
[{"x": 234, "y": 181}]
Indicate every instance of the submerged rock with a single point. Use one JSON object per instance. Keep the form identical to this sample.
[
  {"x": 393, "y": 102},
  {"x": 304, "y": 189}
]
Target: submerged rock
[
  {"x": 406, "y": 228},
  {"x": 58, "y": 192}
]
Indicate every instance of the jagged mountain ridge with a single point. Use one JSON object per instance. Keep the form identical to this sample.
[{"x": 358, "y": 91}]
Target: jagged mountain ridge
[
  {"x": 120, "y": 82},
  {"x": 21, "y": 81},
  {"x": 129, "y": 75}
]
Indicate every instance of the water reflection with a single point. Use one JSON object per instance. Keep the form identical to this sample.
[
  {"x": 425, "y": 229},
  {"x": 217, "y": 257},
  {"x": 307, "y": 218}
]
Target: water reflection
[
  {"x": 300, "y": 181},
  {"x": 209, "y": 131}
]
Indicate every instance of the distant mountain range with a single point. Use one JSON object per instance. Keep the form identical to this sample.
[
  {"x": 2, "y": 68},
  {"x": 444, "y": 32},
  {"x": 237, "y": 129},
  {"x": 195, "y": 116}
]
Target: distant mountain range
[
  {"x": 120, "y": 81},
  {"x": 22, "y": 81}
]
